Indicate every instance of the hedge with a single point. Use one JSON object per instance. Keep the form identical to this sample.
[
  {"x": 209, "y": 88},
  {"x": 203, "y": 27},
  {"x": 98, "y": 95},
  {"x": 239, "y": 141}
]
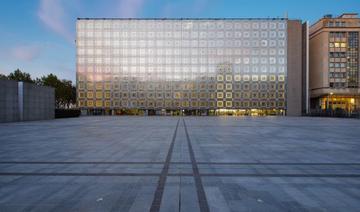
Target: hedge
[{"x": 67, "y": 113}]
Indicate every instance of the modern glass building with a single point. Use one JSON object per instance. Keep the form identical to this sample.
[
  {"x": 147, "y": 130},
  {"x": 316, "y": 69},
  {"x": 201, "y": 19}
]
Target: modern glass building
[{"x": 191, "y": 66}]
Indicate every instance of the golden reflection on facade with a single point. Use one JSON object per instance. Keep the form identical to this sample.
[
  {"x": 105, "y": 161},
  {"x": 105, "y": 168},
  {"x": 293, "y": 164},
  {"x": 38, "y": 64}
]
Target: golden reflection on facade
[{"x": 182, "y": 64}]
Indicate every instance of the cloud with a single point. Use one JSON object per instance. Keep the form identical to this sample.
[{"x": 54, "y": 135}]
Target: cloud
[
  {"x": 52, "y": 15},
  {"x": 25, "y": 53},
  {"x": 130, "y": 8}
]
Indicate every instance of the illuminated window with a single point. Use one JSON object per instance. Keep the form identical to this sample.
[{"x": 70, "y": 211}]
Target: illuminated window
[
  {"x": 90, "y": 86},
  {"x": 255, "y": 78},
  {"x": 168, "y": 103},
  {"x": 281, "y": 95},
  {"x": 81, "y": 103},
  {"x": 246, "y": 95},
  {"x": 281, "y": 86},
  {"x": 281, "y": 78},
  {"x": 90, "y": 103},
  {"x": 228, "y": 103},
  {"x": 220, "y": 95},
  {"x": 220, "y": 86},
  {"x": 228, "y": 86},
  {"x": 228, "y": 95},
  {"x": 185, "y": 104},
  {"x": 98, "y": 86},
  {"x": 99, "y": 95},
  {"x": 98, "y": 103},
  {"x": 90, "y": 95},
  {"x": 220, "y": 78},
  {"x": 237, "y": 78},
  {"x": 246, "y": 78},
  {"x": 107, "y": 95},
  {"x": 237, "y": 95},
  {"x": 228, "y": 78},
  {"x": 263, "y": 95},
  {"x": 81, "y": 85},
  {"x": 220, "y": 104},
  {"x": 107, "y": 104},
  {"x": 263, "y": 78},
  {"x": 272, "y": 78},
  {"x": 116, "y": 103},
  {"x": 107, "y": 86},
  {"x": 203, "y": 95},
  {"x": 254, "y": 95},
  {"x": 194, "y": 95},
  {"x": 81, "y": 94}
]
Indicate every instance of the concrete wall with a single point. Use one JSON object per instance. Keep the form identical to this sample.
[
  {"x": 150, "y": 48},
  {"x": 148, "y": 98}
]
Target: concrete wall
[
  {"x": 318, "y": 54},
  {"x": 294, "y": 68},
  {"x": 9, "y": 110},
  {"x": 39, "y": 102},
  {"x": 25, "y": 101}
]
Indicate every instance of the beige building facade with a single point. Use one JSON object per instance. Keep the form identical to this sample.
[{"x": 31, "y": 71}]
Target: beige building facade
[{"x": 334, "y": 63}]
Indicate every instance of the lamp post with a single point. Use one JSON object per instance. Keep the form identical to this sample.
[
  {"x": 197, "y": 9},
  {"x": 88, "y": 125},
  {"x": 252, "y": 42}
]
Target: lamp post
[{"x": 331, "y": 94}]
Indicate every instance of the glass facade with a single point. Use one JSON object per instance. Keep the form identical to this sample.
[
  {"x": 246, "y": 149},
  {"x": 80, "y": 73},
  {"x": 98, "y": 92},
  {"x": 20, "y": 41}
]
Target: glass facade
[
  {"x": 343, "y": 59},
  {"x": 177, "y": 64}
]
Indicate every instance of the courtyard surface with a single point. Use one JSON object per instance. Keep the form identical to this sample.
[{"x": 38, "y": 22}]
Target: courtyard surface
[{"x": 180, "y": 164}]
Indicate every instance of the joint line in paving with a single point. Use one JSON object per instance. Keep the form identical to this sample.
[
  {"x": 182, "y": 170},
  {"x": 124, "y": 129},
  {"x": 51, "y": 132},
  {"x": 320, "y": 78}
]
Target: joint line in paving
[
  {"x": 160, "y": 163},
  {"x": 203, "y": 204},
  {"x": 101, "y": 174},
  {"x": 155, "y": 206}
]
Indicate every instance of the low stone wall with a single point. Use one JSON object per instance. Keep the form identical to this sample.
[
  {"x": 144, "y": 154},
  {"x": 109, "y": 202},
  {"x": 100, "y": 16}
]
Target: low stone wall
[
  {"x": 9, "y": 110},
  {"x": 21, "y": 101}
]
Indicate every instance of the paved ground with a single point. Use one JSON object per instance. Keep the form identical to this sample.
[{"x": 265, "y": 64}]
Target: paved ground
[{"x": 180, "y": 164}]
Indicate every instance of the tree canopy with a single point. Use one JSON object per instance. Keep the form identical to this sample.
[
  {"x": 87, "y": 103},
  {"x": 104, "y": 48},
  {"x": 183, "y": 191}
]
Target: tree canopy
[
  {"x": 65, "y": 92},
  {"x": 18, "y": 75}
]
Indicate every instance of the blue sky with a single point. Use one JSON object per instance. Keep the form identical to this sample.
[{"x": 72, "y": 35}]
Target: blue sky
[{"x": 37, "y": 36}]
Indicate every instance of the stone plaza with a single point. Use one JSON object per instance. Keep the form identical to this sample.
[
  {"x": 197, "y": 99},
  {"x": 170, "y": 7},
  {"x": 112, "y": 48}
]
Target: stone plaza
[{"x": 185, "y": 164}]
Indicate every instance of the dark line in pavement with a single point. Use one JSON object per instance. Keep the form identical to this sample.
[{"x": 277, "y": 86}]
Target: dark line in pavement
[
  {"x": 282, "y": 175},
  {"x": 287, "y": 164},
  {"x": 101, "y": 174},
  {"x": 203, "y": 204},
  {"x": 155, "y": 163},
  {"x": 75, "y": 162},
  {"x": 155, "y": 205},
  {"x": 76, "y": 174}
]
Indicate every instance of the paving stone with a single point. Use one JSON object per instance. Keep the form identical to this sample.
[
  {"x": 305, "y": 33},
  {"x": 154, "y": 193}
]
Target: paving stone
[{"x": 245, "y": 164}]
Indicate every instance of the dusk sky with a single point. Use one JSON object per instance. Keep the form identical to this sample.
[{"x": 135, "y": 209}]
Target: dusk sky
[{"x": 37, "y": 36}]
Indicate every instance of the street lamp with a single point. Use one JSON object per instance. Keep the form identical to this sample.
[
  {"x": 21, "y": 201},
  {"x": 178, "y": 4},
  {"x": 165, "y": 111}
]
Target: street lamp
[
  {"x": 332, "y": 102},
  {"x": 327, "y": 102}
]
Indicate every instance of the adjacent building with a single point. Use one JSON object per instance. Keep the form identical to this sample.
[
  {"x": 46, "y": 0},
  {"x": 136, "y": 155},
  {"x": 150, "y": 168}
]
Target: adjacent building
[
  {"x": 334, "y": 63},
  {"x": 191, "y": 66}
]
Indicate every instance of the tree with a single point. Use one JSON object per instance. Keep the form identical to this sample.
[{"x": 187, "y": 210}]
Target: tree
[
  {"x": 65, "y": 92},
  {"x": 18, "y": 75},
  {"x": 4, "y": 77}
]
